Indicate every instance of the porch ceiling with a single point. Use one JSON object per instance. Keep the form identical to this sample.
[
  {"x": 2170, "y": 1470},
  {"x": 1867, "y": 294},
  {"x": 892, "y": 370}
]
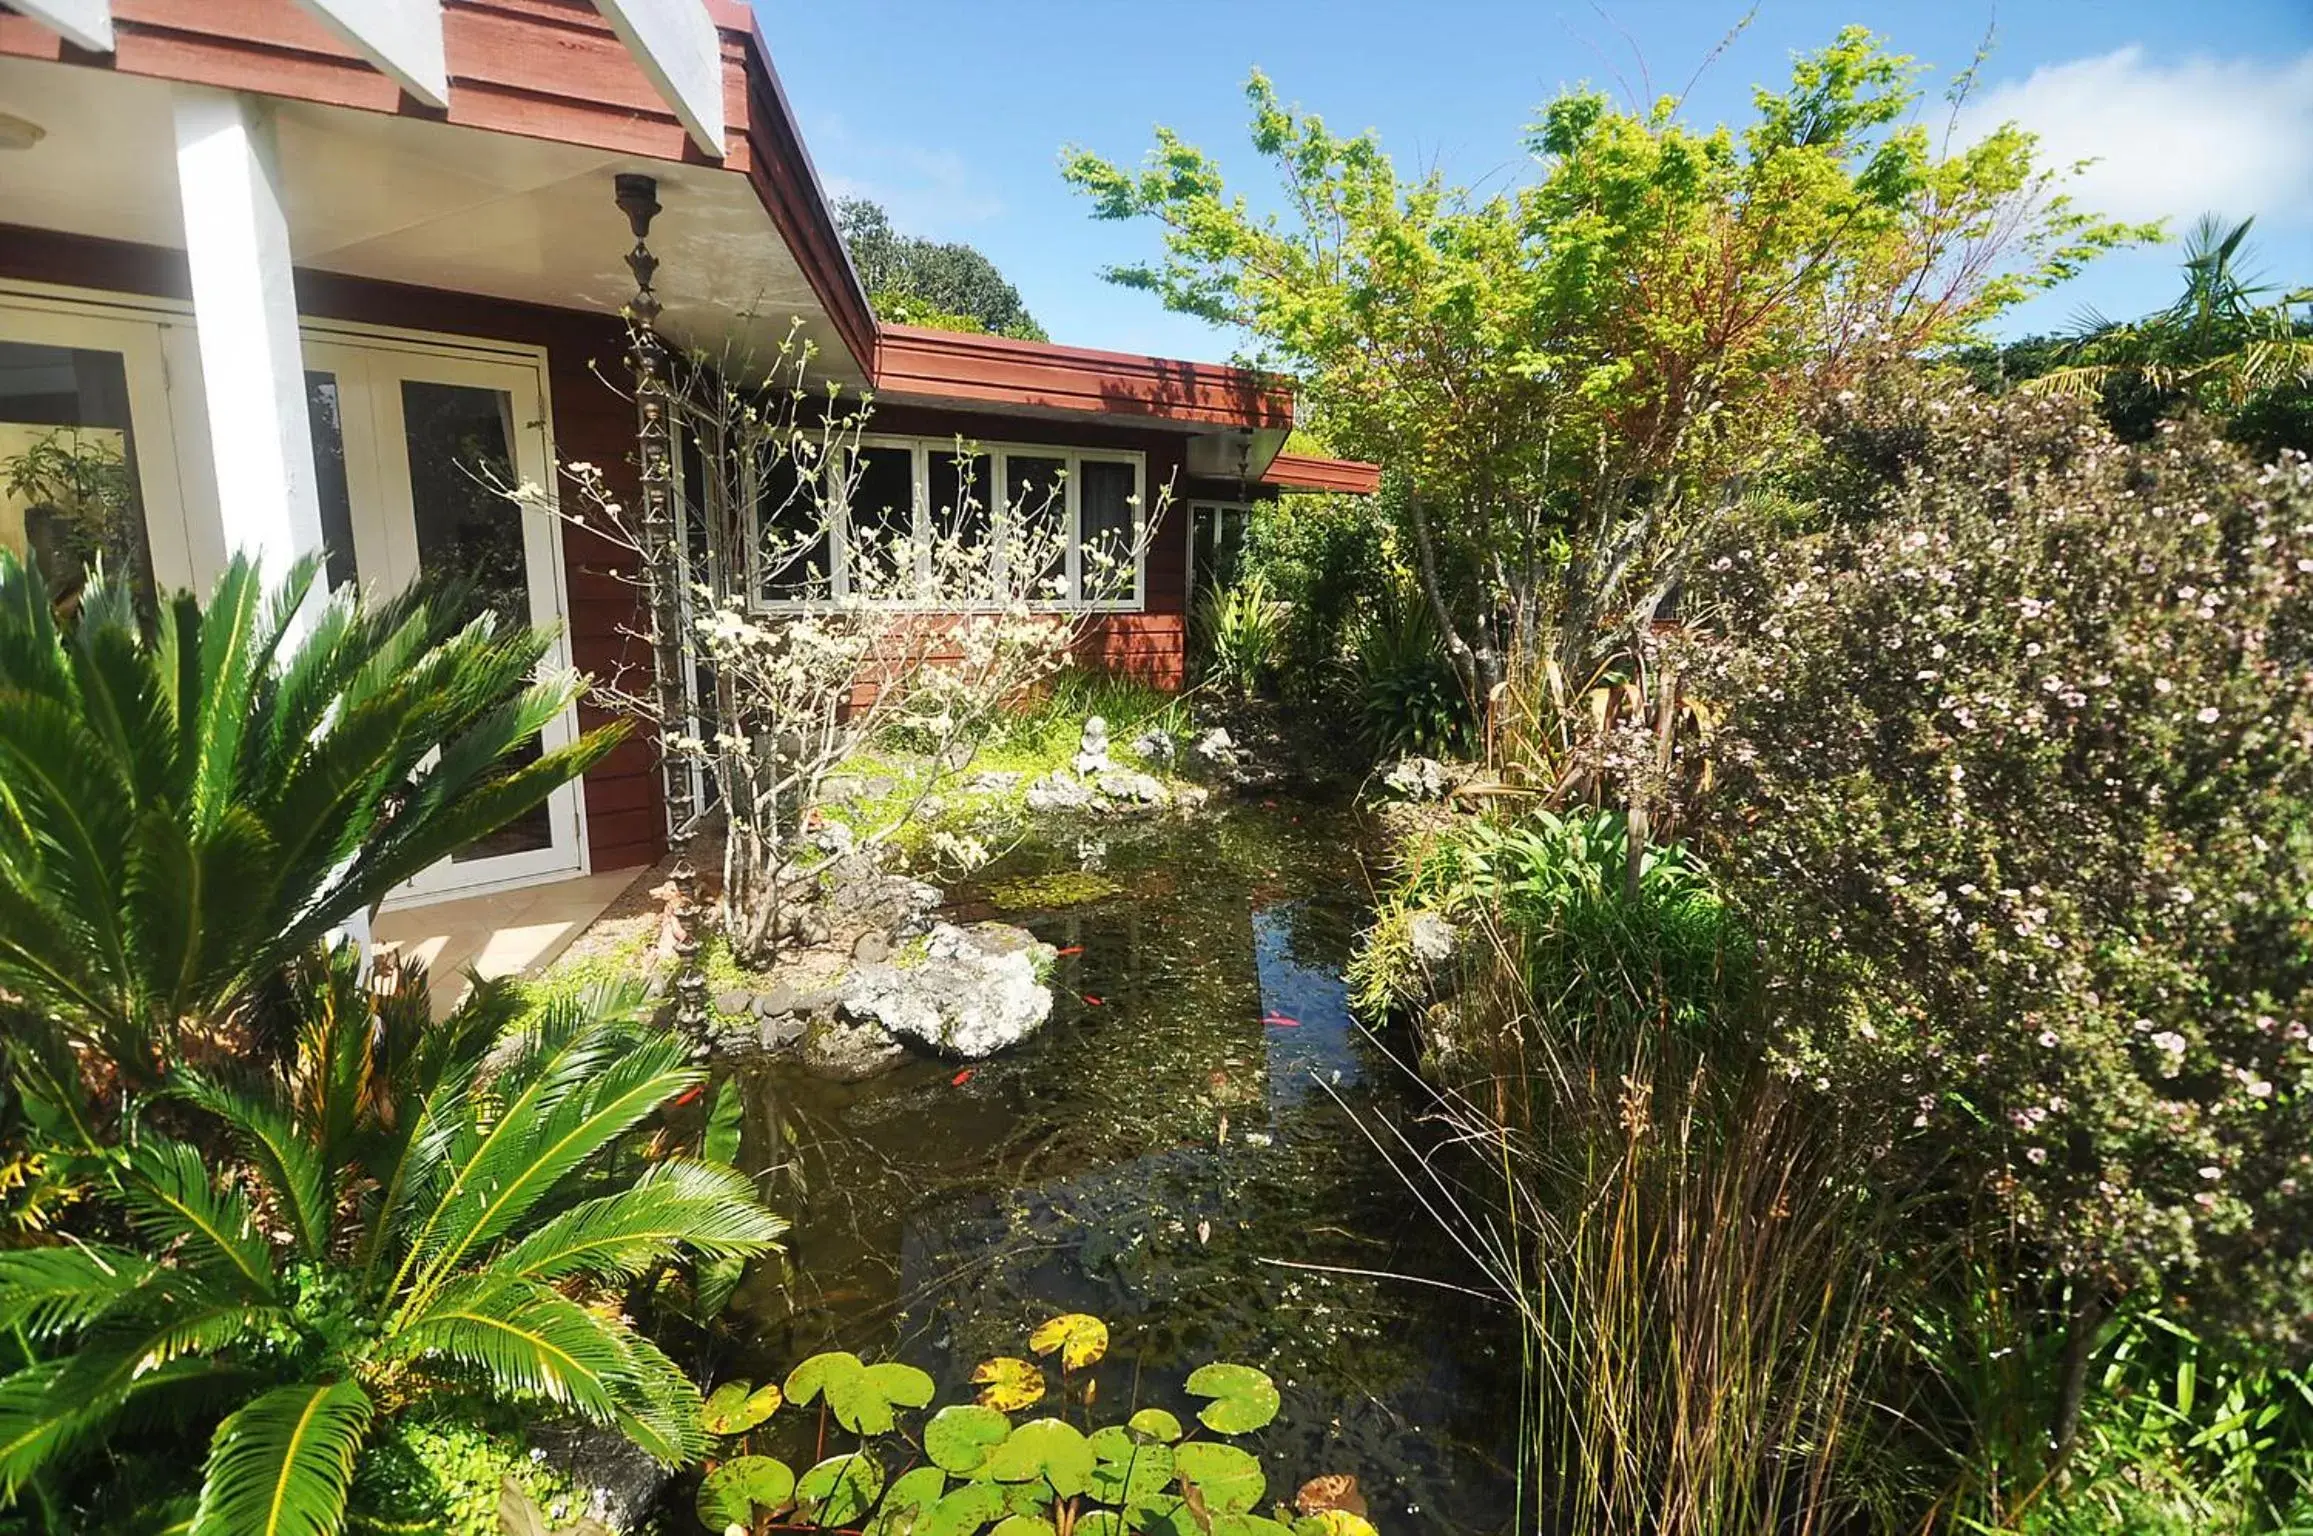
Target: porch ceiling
[{"x": 406, "y": 200}]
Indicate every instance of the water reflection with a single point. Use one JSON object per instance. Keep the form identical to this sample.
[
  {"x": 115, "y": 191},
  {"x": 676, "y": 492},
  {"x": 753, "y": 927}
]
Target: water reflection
[{"x": 1161, "y": 1154}]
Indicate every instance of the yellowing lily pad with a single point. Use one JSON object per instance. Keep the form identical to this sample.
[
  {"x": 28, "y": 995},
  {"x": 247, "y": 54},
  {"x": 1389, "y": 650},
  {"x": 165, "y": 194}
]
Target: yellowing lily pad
[
  {"x": 1243, "y": 1399},
  {"x": 732, "y": 1409},
  {"x": 1007, "y": 1383},
  {"x": 1080, "y": 1338},
  {"x": 1334, "y": 1522}
]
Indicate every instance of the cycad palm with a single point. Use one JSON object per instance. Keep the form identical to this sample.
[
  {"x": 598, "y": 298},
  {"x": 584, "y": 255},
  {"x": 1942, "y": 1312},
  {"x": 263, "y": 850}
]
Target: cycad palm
[
  {"x": 182, "y": 814},
  {"x": 407, "y": 1206},
  {"x": 2226, "y": 336}
]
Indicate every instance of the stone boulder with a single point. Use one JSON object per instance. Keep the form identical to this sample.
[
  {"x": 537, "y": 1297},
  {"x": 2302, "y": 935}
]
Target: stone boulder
[
  {"x": 1156, "y": 747},
  {"x": 1123, "y": 790},
  {"x": 1059, "y": 790},
  {"x": 1417, "y": 779},
  {"x": 848, "y": 1050},
  {"x": 1215, "y": 758},
  {"x": 965, "y": 992}
]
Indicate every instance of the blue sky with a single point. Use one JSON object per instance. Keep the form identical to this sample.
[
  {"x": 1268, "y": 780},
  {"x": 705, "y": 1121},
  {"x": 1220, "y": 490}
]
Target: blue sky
[{"x": 953, "y": 112}]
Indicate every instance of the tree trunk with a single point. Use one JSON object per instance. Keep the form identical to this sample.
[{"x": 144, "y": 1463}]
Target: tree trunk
[
  {"x": 1458, "y": 650},
  {"x": 2088, "y": 1315}
]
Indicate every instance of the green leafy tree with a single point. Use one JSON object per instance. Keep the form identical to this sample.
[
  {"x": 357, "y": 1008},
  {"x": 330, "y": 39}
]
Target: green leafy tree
[
  {"x": 1578, "y": 375},
  {"x": 182, "y": 813},
  {"x": 404, "y": 1208},
  {"x": 943, "y": 284}
]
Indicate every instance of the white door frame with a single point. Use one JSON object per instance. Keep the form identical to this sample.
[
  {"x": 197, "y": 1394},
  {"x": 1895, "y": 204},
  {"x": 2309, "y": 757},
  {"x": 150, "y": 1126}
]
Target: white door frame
[{"x": 178, "y": 484}]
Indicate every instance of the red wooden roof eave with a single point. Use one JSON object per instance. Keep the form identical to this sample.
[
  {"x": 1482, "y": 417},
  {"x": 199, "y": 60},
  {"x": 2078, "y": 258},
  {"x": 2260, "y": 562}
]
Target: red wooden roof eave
[
  {"x": 918, "y": 364},
  {"x": 1307, "y": 472}
]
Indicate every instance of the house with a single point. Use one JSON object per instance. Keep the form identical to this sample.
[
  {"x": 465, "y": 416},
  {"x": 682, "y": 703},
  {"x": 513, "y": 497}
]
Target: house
[{"x": 276, "y": 274}]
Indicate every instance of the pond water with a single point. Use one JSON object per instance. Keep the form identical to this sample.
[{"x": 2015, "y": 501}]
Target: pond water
[{"x": 1183, "y": 1150}]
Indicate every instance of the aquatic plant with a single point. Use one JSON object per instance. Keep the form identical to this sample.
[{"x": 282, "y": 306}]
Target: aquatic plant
[{"x": 968, "y": 1465}]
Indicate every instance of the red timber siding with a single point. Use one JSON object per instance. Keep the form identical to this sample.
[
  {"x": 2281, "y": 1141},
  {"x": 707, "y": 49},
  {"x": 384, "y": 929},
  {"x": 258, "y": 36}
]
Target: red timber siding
[{"x": 624, "y": 823}]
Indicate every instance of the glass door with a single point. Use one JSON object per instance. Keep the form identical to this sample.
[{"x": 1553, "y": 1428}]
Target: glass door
[
  {"x": 85, "y": 448},
  {"x": 415, "y": 453}
]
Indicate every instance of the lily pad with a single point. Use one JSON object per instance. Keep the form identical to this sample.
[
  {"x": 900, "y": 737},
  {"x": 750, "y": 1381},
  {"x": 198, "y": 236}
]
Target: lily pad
[
  {"x": 840, "y": 1489},
  {"x": 1007, "y": 1383},
  {"x": 829, "y": 1372},
  {"x": 732, "y": 1493},
  {"x": 961, "y": 1511},
  {"x": 1243, "y": 1398},
  {"x": 1157, "y": 1424},
  {"x": 1333, "y": 1522},
  {"x": 732, "y": 1409},
  {"x": 1027, "y": 1498},
  {"x": 907, "y": 1501},
  {"x": 1080, "y": 1338},
  {"x": 1102, "y": 1522},
  {"x": 1048, "y": 1449},
  {"x": 1024, "y": 1525},
  {"x": 1228, "y": 1477},
  {"x": 1333, "y": 1490},
  {"x": 1129, "y": 1469},
  {"x": 861, "y": 1397},
  {"x": 960, "y": 1437}
]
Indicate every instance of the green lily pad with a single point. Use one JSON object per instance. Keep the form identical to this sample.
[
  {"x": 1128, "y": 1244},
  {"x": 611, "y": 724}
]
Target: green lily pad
[
  {"x": 1102, "y": 1522},
  {"x": 1024, "y": 1525},
  {"x": 962, "y": 1511},
  {"x": 1050, "y": 1449},
  {"x": 733, "y": 1410},
  {"x": 732, "y": 1493},
  {"x": 1248, "y": 1525},
  {"x": 1229, "y": 1477},
  {"x": 1027, "y": 1498},
  {"x": 830, "y": 1372},
  {"x": 1128, "y": 1468},
  {"x": 840, "y": 1489},
  {"x": 960, "y": 1437},
  {"x": 1243, "y": 1399},
  {"x": 907, "y": 1501},
  {"x": 1157, "y": 1424},
  {"x": 861, "y": 1397}
]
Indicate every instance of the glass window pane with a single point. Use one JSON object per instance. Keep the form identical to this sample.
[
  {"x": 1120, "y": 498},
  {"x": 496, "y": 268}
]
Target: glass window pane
[
  {"x": 460, "y": 441},
  {"x": 792, "y": 535},
  {"x": 959, "y": 488},
  {"x": 68, "y": 484},
  {"x": 324, "y": 409},
  {"x": 1036, "y": 498},
  {"x": 1108, "y": 507},
  {"x": 879, "y": 530}
]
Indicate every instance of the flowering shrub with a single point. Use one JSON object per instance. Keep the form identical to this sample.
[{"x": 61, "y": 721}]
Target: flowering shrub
[{"x": 2020, "y": 790}]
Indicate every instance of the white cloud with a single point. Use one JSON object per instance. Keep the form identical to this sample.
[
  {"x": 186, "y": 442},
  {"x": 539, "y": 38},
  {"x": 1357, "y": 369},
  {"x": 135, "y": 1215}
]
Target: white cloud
[
  {"x": 931, "y": 192},
  {"x": 2171, "y": 139}
]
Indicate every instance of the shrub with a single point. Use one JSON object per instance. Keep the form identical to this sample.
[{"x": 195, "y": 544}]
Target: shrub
[
  {"x": 401, "y": 1208},
  {"x": 1407, "y": 696},
  {"x": 2020, "y": 790},
  {"x": 1240, "y": 631},
  {"x": 1326, "y": 558}
]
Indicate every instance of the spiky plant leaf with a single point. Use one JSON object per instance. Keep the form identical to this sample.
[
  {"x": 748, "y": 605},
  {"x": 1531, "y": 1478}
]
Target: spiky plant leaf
[
  {"x": 51, "y": 1291},
  {"x": 281, "y": 1465},
  {"x": 676, "y": 1204}
]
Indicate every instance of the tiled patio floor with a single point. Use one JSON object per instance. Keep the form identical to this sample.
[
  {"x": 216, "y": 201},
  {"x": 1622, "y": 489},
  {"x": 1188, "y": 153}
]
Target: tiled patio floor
[{"x": 505, "y": 933}]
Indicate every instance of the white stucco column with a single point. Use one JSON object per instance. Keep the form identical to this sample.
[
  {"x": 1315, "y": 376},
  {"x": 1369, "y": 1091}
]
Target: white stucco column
[{"x": 245, "y": 315}]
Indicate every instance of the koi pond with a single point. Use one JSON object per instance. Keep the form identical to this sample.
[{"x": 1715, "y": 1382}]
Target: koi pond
[{"x": 1183, "y": 1151}]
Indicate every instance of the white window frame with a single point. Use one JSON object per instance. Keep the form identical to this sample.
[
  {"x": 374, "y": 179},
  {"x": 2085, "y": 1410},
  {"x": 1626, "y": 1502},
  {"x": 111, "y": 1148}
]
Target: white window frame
[
  {"x": 1244, "y": 512},
  {"x": 921, "y": 451}
]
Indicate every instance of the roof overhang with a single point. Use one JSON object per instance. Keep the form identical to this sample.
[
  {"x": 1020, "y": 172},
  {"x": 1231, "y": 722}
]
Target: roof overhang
[
  {"x": 1306, "y": 472},
  {"x": 506, "y": 192}
]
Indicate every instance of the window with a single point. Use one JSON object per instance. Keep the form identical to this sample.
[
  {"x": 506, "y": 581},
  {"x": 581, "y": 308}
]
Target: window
[
  {"x": 69, "y": 497},
  {"x": 895, "y": 495}
]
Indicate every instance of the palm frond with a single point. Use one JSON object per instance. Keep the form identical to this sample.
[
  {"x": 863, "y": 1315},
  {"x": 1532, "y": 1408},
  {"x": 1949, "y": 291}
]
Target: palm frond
[
  {"x": 676, "y": 1205},
  {"x": 172, "y": 1200},
  {"x": 48, "y": 1292},
  {"x": 659, "y": 1407},
  {"x": 541, "y": 1141},
  {"x": 282, "y": 1464},
  {"x": 525, "y": 1342},
  {"x": 269, "y": 1134}
]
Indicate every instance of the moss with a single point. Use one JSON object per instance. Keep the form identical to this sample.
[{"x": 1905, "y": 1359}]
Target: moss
[
  {"x": 1060, "y": 888},
  {"x": 440, "y": 1475}
]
